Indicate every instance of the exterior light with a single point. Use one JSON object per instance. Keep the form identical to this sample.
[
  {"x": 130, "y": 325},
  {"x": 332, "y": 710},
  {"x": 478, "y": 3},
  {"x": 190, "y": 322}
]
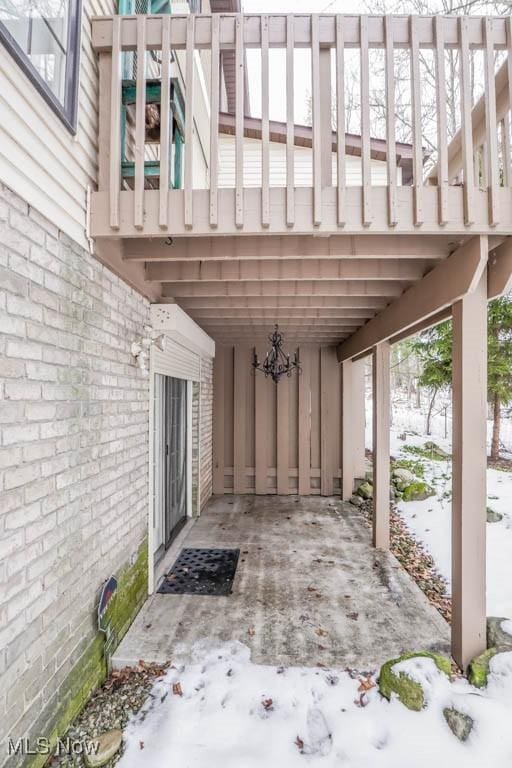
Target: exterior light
[{"x": 277, "y": 363}]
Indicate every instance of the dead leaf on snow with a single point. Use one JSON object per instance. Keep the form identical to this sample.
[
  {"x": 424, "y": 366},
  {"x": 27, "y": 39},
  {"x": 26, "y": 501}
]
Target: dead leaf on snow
[
  {"x": 251, "y": 631},
  {"x": 300, "y": 744},
  {"x": 176, "y": 689}
]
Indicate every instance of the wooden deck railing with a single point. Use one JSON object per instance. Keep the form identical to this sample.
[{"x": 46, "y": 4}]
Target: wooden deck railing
[{"x": 442, "y": 83}]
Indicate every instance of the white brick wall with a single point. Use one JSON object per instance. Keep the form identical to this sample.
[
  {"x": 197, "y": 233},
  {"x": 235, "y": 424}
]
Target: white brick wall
[{"x": 73, "y": 454}]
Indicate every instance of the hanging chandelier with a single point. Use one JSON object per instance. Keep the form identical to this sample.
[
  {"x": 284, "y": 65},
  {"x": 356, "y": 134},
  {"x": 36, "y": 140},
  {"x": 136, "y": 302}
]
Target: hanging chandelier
[{"x": 277, "y": 363}]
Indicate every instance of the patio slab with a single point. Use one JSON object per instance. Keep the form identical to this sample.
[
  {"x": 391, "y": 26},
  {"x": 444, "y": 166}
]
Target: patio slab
[{"x": 309, "y": 589}]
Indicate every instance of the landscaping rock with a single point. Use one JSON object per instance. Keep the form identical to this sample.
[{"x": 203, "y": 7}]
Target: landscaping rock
[
  {"x": 365, "y": 490},
  {"x": 409, "y": 692},
  {"x": 418, "y": 491},
  {"x": 103, "y": 748},
  {"x": 478, "y": 670},
  {"x": 435, "y": 451},
  {"x": 497, "y": 637},
  {"x": 402, "y": 477},
  {"x": 492, "y": 516},
  {"x": 357, "y": 501},
  {"x": 459, "y": 723}
]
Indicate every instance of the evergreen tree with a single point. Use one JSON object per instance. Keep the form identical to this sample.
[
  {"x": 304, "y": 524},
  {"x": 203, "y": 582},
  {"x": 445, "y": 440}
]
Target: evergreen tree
[{"x": 434, "y": 350}]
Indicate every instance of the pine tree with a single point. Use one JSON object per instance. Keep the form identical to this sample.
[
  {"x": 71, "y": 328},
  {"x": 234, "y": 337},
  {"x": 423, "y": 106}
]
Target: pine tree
[{"x": 434, "y": 350}]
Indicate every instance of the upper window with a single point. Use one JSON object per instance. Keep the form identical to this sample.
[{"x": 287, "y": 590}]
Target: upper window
[{"x": 44, "y": 38}]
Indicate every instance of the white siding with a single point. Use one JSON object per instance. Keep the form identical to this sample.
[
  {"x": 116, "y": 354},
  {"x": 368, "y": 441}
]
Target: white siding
[
  {"x": 303, "y": 165},
  {"x": 39, "y": 158}
]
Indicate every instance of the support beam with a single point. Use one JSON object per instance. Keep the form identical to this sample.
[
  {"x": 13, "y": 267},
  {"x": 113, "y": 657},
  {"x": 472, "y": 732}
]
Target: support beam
[
  {"x": 444, "y": 285},
  {"x": 275, "y": 315},
  {"x": 499, "y": 273},
  {"x": 287, "y": 247},
  {"x": 358, "y": 416},
  {"x": 347, "y": 455},
  {"x": 289, "y": 269},
  {"x": 387, "y": 288},
  {"x": 469, "y": 474},
  {"x": 381, "y": 425},
  {"x": 280, "y": 302}
]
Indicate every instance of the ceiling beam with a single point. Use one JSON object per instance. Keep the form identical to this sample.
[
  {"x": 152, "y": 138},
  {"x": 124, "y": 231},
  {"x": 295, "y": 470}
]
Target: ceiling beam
[
  {"x": 499, "y": 275},
  {"x": 284, "y": 327},
  {"x": 272, "y": 303},
  {"x": 387, "y": 288},
  {"x": 444, "y": 285},
  {"x": 289, "y": 247},
  {"x": 291, "y": 269},
  {"x": 280, "y": 314}
]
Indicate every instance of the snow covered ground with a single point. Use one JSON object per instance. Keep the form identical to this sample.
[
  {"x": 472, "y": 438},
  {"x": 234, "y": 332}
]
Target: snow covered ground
[
  {"x": 222, "y": 711},
  {"x": 430, "y": 520}
]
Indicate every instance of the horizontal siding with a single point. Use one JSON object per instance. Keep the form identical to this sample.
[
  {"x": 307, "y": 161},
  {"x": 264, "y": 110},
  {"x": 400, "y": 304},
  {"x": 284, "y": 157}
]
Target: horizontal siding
[
  {"x": 277, "y": 151},
  {"x": 39, "y": 159},
  {"x": 175, "y": 360}
]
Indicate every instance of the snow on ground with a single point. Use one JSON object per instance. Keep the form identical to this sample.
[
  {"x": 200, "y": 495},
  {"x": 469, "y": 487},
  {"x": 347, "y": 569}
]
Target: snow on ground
[
  {"x": 235, "y": 714},
  {"x": 430, "y": 520}
]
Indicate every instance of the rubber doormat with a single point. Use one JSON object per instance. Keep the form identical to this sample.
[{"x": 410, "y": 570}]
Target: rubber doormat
[{"x": 201, "y": 572}]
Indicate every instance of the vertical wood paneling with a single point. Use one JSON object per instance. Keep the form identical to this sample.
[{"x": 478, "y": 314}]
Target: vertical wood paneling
[
  {"x": 115, "y": 125},
  {"x": 239, "y": 121},
  {"x": 390, "y": 120},
  {"x": 240, "y": 373},
  {"x": 365, "y": 123},
  {"x": 165, "y": 124},
  {"x": 340, "y": 117},
  {"x": 290, "y": 122},
  {"x": 381, "y": 437},
  {"x": 347, "y": 456},
  {"x": 261, "y": 437},
  {"x": 214, "y": 118},
  {"x": 140, "y": 124},
  {"x": 491, "y": 123},
  {"x": 283, "y": 441},
  {"x": 328, "y": 363},
  {"x": 219, "y": 398},
  {"x": 442, "y": 133},
  {"x": 326, "y": 116},
  {"x": 304, "y": 423},
  {"x": 189, "y": 123},
  {"x": 265, "y": 126},
  {"x": 104, "y": 118}
]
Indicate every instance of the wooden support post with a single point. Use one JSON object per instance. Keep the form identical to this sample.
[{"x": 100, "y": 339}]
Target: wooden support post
[
  {"x": 261, "y": 391},
  {"x": 358, "y": 417},
  {"x": 381, "y": 406},
  {"x": 304, "y": 422},
  {"x": 327, "y": 393},
  {"x": 347, "y": 456},
  {"x": 240, "y": 367},
  {"x": 218, "y": 419},
  {"x": 469, "y": 474},
  {"x": 283, "y": 437}
]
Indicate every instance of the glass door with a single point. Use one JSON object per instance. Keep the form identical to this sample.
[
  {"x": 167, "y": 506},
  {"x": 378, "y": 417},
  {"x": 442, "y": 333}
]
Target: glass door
[{"x": 175, "y": 507}]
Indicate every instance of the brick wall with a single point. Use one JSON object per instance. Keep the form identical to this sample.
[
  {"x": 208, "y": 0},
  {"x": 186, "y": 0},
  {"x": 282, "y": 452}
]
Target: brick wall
[{"x": 73, "y": 456}]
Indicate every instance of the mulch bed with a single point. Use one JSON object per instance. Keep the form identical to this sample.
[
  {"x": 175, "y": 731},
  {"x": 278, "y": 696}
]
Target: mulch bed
[
  {"x": 411, "y": 554},
  {"x": 111, "y": 706}
]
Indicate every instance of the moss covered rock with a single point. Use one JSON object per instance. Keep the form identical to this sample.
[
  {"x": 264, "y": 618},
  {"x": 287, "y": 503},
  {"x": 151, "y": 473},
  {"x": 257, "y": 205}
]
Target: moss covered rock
[
  {"x": 365, "y": 490},
  {"x": 493, "y": 516},
  {"x": 458, "y": 722},
  {"x": 418, "y": 491},
  {"x": 497, "y": 636},
  {"x": 478, "y": 670},
  {"x": 409, "y": 691},
  {"x": 435, "y": 451}
]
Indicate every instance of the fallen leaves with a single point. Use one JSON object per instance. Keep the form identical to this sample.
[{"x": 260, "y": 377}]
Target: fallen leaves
[
  {"x": 176, "y": 689},
  {"x": 366, "y": 684},
  {"x": 321, "y": 632},
  {"x": 300, "y": 744},
  {"x": 268, "y": 705},
  {"x": 251, "y": 631}
]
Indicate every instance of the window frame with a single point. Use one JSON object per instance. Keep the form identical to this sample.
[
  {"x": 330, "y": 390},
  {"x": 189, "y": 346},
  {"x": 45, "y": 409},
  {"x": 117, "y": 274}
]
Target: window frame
[{"x": 67, "y": 112}]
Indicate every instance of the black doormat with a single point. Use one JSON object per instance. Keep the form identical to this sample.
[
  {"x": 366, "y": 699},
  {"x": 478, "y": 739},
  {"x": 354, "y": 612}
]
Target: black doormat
[{"x": 201, "y": 572}]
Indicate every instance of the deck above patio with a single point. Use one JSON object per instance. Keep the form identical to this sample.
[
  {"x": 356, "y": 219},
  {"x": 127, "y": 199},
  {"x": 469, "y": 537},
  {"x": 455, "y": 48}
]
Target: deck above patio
[{"x": 453, "y": 91}]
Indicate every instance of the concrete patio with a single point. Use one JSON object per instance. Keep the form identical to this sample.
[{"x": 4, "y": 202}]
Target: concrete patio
[{"x": 309, "y": 589}]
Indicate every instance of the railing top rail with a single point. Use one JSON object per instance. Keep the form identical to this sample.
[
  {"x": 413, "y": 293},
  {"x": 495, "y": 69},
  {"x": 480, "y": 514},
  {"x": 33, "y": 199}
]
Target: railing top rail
[{"x": 102, "y": 27}]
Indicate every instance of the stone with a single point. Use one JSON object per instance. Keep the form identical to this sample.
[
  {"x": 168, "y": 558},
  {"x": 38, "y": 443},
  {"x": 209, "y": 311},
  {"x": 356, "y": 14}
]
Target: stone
[
  {"x": 103, "y": 748},
  {"x": 478, "y": 669},
  {"x": 409, "y": 692},
  {"x": 365, "y": 490},
  {"x": 402, "y": 476},
  {"x": 492, "y": 516},
  {"x": 497, "y": 636},
  {"x": 435, "y": 451},
  {"x": 458, "y": 722},
  {"x": 357, "y": 501},
  {"x": 418, "y": 491}
]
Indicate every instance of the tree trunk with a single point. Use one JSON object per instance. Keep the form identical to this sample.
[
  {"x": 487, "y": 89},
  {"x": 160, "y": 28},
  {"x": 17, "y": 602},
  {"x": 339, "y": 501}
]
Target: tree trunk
[
  {"x": 430, "y": 409},
  {"x": 495, "y": 443}
]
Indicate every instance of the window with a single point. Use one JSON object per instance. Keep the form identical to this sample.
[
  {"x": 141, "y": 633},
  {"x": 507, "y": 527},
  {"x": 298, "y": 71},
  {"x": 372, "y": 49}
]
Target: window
[{"x": 44, "y": 38}]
